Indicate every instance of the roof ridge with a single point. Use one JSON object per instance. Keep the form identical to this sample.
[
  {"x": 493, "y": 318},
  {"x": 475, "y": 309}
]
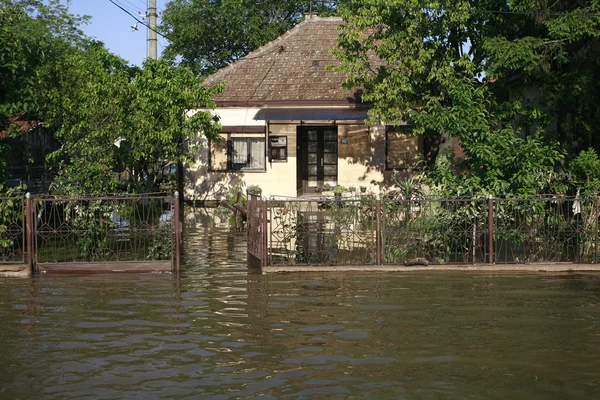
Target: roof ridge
[{"x": 267, "y": 47}]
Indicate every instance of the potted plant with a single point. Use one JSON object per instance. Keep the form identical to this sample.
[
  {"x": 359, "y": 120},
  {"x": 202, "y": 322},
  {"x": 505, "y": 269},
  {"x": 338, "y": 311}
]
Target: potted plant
[
  {"x": 254, "y": 190},
  {"x": 337, "y": 192}
]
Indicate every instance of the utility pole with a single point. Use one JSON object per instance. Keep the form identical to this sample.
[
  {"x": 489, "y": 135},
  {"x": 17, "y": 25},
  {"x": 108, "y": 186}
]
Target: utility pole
[{"x": 152, "y": 40}]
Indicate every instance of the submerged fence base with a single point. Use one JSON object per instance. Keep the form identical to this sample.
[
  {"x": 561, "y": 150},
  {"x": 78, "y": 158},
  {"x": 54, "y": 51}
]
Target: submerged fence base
[
  {"x": 491, "y": 268},
  {"x": 104, "y": 268},
  {"x": 15, "y": 271},
  {"x": 90, "y": 234},
  {"x": 369, "y": 233}
]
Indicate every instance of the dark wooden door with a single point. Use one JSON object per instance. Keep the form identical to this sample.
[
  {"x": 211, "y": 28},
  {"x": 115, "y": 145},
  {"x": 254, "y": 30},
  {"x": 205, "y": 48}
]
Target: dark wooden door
[{"x": 317, "y": 158}]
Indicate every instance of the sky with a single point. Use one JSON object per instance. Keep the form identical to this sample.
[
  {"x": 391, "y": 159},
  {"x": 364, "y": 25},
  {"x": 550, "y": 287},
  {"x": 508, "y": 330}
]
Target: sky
[{"x": 112, "y": 26}]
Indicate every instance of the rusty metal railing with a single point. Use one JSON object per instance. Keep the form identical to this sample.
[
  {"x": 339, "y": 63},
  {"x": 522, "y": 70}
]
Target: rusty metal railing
[
  {"x": 369, "y": 230},
  {"x": 12, "y": 230},
  {"x": 109, "y": 229}
]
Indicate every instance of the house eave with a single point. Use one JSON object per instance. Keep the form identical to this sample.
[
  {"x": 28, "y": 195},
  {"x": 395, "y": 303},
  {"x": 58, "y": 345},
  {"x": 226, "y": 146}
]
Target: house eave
[{"x": 293, "y": 103}]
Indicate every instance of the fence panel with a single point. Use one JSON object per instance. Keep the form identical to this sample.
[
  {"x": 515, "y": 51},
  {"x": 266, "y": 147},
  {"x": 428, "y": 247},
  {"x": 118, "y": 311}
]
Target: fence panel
[
  {"x": 441, "y": 231},
  {"x": 12, "y": 230},
  {"x": 546, "y": 229},
  {"x": 330, "y": 232},
  {"x": 104, "y": 229}
]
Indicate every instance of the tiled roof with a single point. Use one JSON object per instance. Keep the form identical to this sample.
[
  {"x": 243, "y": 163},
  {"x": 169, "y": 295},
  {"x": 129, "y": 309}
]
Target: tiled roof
[
  {"x": 21, "y": 125},
  {"x": 292, "y": 68}
]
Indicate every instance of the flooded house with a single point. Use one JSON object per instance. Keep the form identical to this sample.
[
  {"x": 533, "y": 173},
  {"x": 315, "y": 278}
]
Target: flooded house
[{"x": 290, "y": 128}]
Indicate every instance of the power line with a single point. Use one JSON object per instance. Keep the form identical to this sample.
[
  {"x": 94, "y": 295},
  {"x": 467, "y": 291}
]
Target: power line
[
  {"x": 134, "y": 6},
  {"x": 128, "y": 7},
  {"x": 138, "y": 20}
]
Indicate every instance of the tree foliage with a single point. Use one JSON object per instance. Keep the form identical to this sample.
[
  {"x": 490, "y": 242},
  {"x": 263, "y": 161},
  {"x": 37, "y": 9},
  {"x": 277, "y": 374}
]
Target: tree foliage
[
  {"x": 206, "y": 35},
  {"x": 509, "y": 80},
  {"x": 131, "y": 121},
  {"x": 33, "y": 36},
  {"x": 115, "y": 123}
]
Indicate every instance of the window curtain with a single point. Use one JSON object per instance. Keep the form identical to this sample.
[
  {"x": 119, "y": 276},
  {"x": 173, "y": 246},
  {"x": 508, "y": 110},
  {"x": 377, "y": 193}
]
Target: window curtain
[
  {"x": 257, "y": 155},
  {"x": 240, "y": 151}
]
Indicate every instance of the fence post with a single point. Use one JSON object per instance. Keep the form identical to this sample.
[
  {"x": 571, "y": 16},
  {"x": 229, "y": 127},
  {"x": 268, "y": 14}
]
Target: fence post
[
  {"x": 378, "y": 241},
  {"x": 265, "y": 236},
  {"x": 596, "y": 235},
  {"x": 29, "y": 229},
  {"x": 490, "y": 205},
  {"x": 177, "y": 235}
]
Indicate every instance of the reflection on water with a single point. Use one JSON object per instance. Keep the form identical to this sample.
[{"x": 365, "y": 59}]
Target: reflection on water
[{"x": 223, "y": 332}]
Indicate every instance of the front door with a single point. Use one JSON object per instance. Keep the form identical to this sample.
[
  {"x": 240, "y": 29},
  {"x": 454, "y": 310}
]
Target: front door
[{"x": 317, "y": 158}]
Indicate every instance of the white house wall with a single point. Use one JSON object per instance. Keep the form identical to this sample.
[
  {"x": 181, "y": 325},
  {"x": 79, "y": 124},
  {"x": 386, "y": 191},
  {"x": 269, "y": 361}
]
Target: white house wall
[{"x": 361, "y": 161}]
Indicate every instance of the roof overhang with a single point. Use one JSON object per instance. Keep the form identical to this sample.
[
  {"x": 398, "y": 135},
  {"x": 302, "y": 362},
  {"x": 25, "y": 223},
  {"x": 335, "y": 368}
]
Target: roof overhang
[{"x": 311, "y": 114}]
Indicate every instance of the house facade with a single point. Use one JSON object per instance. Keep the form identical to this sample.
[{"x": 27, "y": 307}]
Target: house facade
[{"x": 290, "y": 128}]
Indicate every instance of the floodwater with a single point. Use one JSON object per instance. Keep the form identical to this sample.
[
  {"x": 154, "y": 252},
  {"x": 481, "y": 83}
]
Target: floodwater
[{"x": 221, "y": 331}]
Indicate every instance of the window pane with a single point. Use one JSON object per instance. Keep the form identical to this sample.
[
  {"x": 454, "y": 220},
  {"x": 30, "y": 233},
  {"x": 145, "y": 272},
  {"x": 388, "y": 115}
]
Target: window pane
[
  {"x": 312, "y": 158},
  {"x": 330, "y": 170},
  {"x": 330, "y": 147},
  {"x": 248, "y": 153},
  {"x": 257, "y": 156},
  {"x": 330, "y": 158},
  {"x": 312, "y": 170},
  {"x": 312, "y": 136},
  {"x": 240, "y": 150},
  {"x": 312, "y": 147},
  {"x": 330, "y": 135}
]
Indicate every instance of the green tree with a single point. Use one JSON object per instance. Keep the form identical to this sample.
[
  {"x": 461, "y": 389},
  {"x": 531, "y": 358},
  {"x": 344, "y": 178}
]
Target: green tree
[
  {"x": 130, "y": 122},
  {"x": 33, "y": 36},
  {"x": 488, "y": 73},
  {"x": 205, "y": 35}
]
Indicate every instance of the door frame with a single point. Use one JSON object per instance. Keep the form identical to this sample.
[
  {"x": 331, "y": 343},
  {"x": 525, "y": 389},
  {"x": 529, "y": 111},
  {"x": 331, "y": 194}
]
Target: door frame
[{"x": 302, "y": 157}]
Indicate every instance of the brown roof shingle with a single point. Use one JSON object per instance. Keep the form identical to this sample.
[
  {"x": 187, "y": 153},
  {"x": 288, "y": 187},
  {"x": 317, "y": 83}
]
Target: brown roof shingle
[{"x": 292, "y": 68}]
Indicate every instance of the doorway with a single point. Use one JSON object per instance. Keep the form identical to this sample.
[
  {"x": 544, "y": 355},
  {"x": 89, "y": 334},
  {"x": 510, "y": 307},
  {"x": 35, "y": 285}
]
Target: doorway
[{"x": 317, "y": 158}]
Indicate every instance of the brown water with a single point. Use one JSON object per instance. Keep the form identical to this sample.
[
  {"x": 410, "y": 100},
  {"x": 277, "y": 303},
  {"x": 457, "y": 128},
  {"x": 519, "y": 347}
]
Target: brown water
[{"x": 221, "y": 332}]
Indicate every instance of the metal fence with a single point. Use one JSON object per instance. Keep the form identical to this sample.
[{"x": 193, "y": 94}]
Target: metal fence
[
  {"x": 48, "y": 230},
  {"x": 12, "y": 230},
  {"x": 389, "y": 231}
]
